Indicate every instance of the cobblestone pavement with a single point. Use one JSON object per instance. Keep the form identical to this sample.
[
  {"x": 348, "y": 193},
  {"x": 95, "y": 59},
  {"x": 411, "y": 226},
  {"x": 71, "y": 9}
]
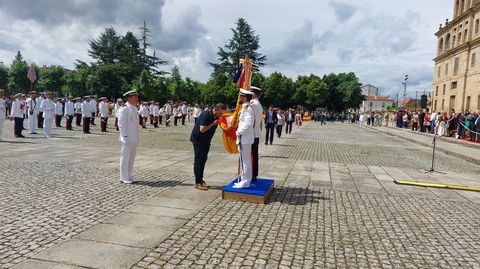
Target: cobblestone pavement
[
  {"x": 335, "y": 203},
  {"x": 339, "y": 144},
  {"x": 38, "y": 212}
]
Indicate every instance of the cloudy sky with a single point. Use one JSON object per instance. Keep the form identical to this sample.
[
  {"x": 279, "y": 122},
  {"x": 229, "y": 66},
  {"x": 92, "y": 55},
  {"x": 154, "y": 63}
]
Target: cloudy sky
[{"x": 381, "y": 41}]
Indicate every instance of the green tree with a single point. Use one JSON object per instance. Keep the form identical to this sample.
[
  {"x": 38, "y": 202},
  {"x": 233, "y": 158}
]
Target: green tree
[
  {"x": 4, "y": 78},
  {"x": 51, "y": 79},
  {"x": 106, "y": 48},
  {"x": 145, "y": 85},
  {"x": 176, "y": 85},
  {"x": 17, "y": 75},
  {"x": 108, "y": 80},
  {"x": 350, "y": 86},
  {"x": 151, "y": 62},
  {"x": 243, "y": 43}
]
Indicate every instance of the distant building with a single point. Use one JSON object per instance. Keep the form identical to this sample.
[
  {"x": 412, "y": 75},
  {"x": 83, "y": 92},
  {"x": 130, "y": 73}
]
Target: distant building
[
  {"x": 456, "y": 83},
  {"x": 374, "y": 102}
]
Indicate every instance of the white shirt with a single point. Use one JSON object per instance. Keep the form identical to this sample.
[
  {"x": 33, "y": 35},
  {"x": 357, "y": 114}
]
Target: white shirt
[
  {"x": 17, "y": 109},
  {"x": 48, "y": 109},
  {"x": 184, "y": 109},
  {"x": 155, "y": 111},
  {"x": 128, "y": 123},
  {"x": 31, "y": 105},
  {"x": 143, "y": 111},
  {"x": 245, "y": 132},
  {"x": 78, "y": 107},
  {"x": 103, "y": 109},
  {"x": 69, "y": 108},
  {"x": 86, "y": 109},
  {"x": 168, "y": 109},
  {"x": 93, "y": 106},
  {"x": 58, "y": 109},
  {"x": 196, "y": 112},
  {"x": 39, "y": 103},
  {"x": 258, "y": 111}
]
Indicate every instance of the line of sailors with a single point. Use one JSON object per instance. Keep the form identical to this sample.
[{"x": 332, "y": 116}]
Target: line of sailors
[{"x": 40, "y": 112}]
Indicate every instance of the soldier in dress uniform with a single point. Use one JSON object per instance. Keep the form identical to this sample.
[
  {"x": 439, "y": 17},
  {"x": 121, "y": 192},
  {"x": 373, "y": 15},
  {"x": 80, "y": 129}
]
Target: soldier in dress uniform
[
  {"x": 40, "y": 112},
  {"x": 93, "y": 107},
  {"x": 78, "y": 111},
  {"x": 32, "y": 112},
  {"x": 118, "y": 105},
  {"x": 143, "y": 112},
  {"x": 155, "y": 110},
  {"x": 245, "y": 139},
  {"x": 168, "y": 113},
  {"x": 69, "y": 112},
  {"x": 257, "y": 128},
  {"x": 103, "y": 111},
  {"x": 17, "y": 114},
  {"x": 184, "y": 110},
  {"x": 3, "y": 111},
  {"x": 58, "y": 112},
  {"x": 150, "y": 110},
  {"x": 86, "y": 114},
  {"x": 129, "y": 138},
  {"x": 48, "y": 108}
]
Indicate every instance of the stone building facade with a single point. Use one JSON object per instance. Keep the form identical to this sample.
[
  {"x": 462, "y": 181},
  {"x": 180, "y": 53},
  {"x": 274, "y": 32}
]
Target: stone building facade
[{"x": 456, "y": 83}]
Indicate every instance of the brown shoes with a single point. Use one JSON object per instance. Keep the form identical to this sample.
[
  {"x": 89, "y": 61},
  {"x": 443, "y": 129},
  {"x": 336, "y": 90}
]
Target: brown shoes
[{"x": 201, "y": 187}]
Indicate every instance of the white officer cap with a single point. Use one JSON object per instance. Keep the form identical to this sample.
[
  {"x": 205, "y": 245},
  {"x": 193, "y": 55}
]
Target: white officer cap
[
  {"x": 245, "y": 92},
  {"x": 130, "y": 93},
  {"x": 253, "y": 88}
]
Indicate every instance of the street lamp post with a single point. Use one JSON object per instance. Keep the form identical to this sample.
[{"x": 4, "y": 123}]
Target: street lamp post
[{"x": 405, "y": 89}]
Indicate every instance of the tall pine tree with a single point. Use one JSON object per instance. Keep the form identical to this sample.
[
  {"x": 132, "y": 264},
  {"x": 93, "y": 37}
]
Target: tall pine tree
[{"x": 243, "y": 43}]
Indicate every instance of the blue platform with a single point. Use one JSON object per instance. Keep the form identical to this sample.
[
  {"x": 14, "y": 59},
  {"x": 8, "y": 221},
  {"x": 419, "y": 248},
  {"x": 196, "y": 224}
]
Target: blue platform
[{"x": 260, "y": 187}]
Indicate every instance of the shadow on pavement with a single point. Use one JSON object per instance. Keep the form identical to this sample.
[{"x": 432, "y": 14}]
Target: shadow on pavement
[
  {"x": 157, "y": 184},
  {"x": 296, "y": 196}
]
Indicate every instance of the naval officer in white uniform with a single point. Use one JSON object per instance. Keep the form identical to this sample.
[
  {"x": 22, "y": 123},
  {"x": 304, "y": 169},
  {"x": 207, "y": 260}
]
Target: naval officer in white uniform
[
  {"x": 128, "y": 127},
  {"x": 48, "y": 108},
  {"x": 245, "y": 139},
  {"x": 3, "y": 107}
]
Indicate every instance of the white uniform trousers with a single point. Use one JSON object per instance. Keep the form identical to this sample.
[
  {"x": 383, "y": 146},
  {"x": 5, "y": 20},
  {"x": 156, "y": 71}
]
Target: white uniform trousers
[
  {"x": 47, "y": 127},
  {"x": 1, "y": 127},
  {"x": 127, "y": 158},
  {"x": 246, "y": 157},
  {"x": 32, "y": 122}
]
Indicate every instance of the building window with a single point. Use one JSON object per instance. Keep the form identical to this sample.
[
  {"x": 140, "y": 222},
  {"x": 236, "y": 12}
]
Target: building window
[
  {"x": 444, "y": 88},
  {"x": 455, "y": 66},
  {"x": 474, "y": 56},
  {"x": 465, "y": 34},
  {"x": 435, "y": 106},
  {"x": 454, "y": 85},
  {"x": 436, "y": 91},
  {"x": 446, "y": 69},
  {"x": 447, "y": 41},
  {"x": 440, "y": 45},
  {"x": 454, "y": 40},
  {"x": 477, "y": 25},
  {"x": 468, "y": 103},
  {"x": 443, "y": 103}
]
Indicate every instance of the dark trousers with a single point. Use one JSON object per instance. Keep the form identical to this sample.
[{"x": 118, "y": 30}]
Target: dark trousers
[
  {"x": 69, "y": 122},
  {"x": 92, "y": 119},
  {"x": 151, "y": 119},
  {"x": 288, "y": 129},
  {"x": 195, "y": 119},
  {"x": 155, "y": 121},
  {"x": 269, "y": 132},
  {"x": 167, "y": 120},
  {"x": 116, "y": 123},
  {"x": 86, "y": 125},
  {"x": 78, "y": 119},
  {"x": 422, "y": 128},
  {"x": 175, "y": 120},
  {"x": 279, "y": 130},
  {"x": 200, "y": 158},
  {"x": 183, "y": 119},
  {"x": 40, "y": 120},
  {"x": 58, "y": 120},
  {"x": 414, "y": 126},
  {"x": 160, "y": 118},
  {"x": 18, "y": 126},
  {"x": 103, "y": 124},
  {"x": 255, "y": 158}
]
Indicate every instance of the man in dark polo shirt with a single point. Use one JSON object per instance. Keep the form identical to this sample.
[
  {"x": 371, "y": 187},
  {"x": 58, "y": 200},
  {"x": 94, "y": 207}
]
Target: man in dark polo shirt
[{"x": 201, "y": 137}]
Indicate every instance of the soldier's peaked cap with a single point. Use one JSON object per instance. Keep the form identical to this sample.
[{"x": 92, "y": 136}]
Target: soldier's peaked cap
[{"x": 130, "y": 93}]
